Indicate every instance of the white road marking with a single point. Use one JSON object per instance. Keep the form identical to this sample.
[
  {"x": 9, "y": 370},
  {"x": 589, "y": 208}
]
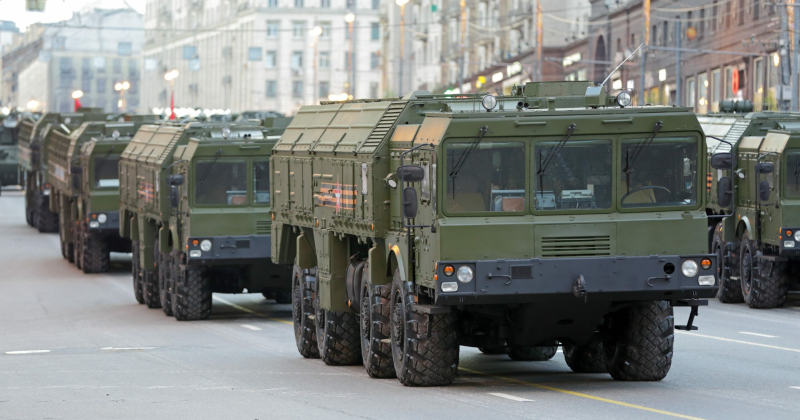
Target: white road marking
[
  {"x": 251, "y": 327},
  {"x": 758, "y": 335},
  {"x": 738, "y": 341},
  {"x": 27, "y": 351},
  {"x": 795, "y": 387},
  {"x": 126, "y": 348},
  {"x": 509, "y": 397}
]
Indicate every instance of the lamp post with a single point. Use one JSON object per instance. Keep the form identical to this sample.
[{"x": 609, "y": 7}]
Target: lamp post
[
  {"x": 121, "y": 87},
  {"x": 77, "y": 95},
  {"x": 350, "y": 18},
  {"x": 402, "y": 4},
  {"x": 315, "y": 32},
  {"x": 170, "y": 76}
]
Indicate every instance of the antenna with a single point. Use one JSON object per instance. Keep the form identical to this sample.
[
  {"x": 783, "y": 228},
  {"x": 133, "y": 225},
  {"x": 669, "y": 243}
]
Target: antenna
[{"x": 620, "y": 64}]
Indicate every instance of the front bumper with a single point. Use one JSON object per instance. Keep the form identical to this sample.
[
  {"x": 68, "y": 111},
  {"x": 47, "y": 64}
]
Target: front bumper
[
  {"x": 229, "y": 249},
  {"x": 586, "y": 279},
  {"x": 110, "y": 225}
]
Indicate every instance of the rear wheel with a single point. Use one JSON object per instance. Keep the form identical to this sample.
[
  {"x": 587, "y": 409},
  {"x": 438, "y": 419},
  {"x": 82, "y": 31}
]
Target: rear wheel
[
  {"x": 46, "y": 221},
  {"x": 337, "y": 335},
  {"x": 640, "y": 348},
  {"x": 77, "y": 249},
  {"x": 585, "y": 358},
  {"x": 491, "y": 350},
  {"x": 96, "y": 255},
  {"x": 532, "y": 353},
  {"x": 138, "y": 291},
  {"x": 376, "y": 330},
  {"x": 193, "y": 293},
  {"x": 165, "y": 282},
  {"x": 424, "y": 346},
  {"x": 767, "y": 286},
  {"x": 305, "y": 333},
  {"x": 730, "y": 290}
]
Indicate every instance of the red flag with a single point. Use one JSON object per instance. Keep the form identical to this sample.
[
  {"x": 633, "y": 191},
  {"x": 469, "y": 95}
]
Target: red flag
[
  {"x": 77, "y": 104},
  {"x": 172, "y": 105}
]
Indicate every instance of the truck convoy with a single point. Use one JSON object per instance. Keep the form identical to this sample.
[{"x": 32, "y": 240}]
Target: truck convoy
[
  {"x": 83, "y": 172},
  {"x": 195, "y": 202},
  {"x": 32, "y": 155},
  {"x": 754, "y": 203},
  {"x": 558, "y": 214},
  {"x": 9, "y": 135}
]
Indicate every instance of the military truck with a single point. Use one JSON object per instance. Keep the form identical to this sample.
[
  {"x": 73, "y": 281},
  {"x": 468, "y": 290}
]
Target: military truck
[
  {"x": 195, "y": 201},
  {"x": 32, "y": 156},
  {"x": 83, "y": 172},
  {"x": 559, "y": 215},
  {"x": 9, "y": 134},
  {"x": 753, "y": 213}
]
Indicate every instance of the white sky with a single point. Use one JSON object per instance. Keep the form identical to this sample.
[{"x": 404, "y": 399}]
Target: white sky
[{"x": 56, "y": 10}]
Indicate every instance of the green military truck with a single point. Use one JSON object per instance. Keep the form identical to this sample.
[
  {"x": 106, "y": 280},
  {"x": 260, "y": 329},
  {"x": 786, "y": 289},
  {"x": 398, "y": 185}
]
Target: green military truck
[
  {"x": 83, "y": 172},
  {"x": 558, "y": 215},
  {"x": 32, "y": 157},
  {"x": 195, "y": 201},
  {"x": 754, "y": 204},
  {"x": 9, "y": 135}
]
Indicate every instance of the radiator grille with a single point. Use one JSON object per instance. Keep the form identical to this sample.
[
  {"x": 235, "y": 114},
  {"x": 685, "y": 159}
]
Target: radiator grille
[
  {"x": 576, "y": 246},
  {"x": 263, "y": 227}
]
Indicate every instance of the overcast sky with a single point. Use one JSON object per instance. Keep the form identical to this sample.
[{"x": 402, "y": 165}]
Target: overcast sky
[{"x": 56, "y": 10}]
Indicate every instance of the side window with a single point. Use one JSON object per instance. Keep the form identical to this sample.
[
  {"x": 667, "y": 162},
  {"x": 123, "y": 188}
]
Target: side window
[
  {"x": 221, "y": 182},
  {"x": 425, "y": 185},
  {"x": 792, "y": 175},
  {"x": 489, "y": 177},
  {"x": 261, "y": 181}
]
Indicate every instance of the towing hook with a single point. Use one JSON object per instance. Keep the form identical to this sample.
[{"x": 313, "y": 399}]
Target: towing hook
[
  {"x": 579, "y": 288},
  {"x": 665, "y": 278}
]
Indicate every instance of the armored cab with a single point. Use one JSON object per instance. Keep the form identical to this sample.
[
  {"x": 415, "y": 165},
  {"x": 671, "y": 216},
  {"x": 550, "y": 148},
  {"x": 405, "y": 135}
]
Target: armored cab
[
  {"x": 33, "y": 153},
  {"x": 196, "y": 202},
  {"x": 9, "y": 137},
  {"x": 557, "y": 216},
  {"x": 754, "y": 214}
]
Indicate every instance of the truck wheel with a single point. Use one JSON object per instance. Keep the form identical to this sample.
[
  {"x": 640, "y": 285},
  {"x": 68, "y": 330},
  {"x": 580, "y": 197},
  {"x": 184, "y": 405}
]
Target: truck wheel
[
  {"x": 138, "y": 291},
  {"x": 46, "y": 221},
  {"x": 532, "y": 353},
  {"x": 164, "y": 283},
  {"x": 641, "y": 346},
  {"x": 585, "y": 358},
  {"x": 95, "y": 253},
  {"x": 193, "y": 292},
  {"x": 492, "y": 350},
  {"x": 29, "y": 213},
  {"x": 305, "y": 332},
  {"x": 152, "y": 298},
  {"x": 768, "y": 285},
  {"x": 375, "y": 321},
  {"x": 78, "y": 247},
  {"x": 70, "y": 251},
  {"x": 424, "y": 347},
  {"x": 730, "y": 291},
  {"x": 337, "y": 335}
]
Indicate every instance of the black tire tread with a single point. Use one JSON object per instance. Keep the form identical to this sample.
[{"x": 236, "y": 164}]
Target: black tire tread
[
  {"x": 138, "y": 289},
  {"x": 305, "y": 331},
  {"x": 644, "y": 340},
  {"x": 95, "y": 253},
  {"x": 376, "y": 330},
  {"x": 165, "y": 283},
  {"x": 770, "y": 286},
  {"x": 532, "y": 353},
  {"x": 193, "y": 291},
  {"x": 729, "y": 291},
  {"x": 585, "y": 358},
  {"x": 338, "y": 338}
]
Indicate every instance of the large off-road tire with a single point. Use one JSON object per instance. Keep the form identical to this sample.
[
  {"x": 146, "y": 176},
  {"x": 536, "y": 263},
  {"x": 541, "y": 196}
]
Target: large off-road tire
[
  {"x": 77, "y": 249},
  {"x": 175, "y": 267},
  {"x": 138, "y": 290},
  {"x": 532, "y": 353},
  {"x": 730, "y": 291},
  {"x": 424, "y": 347},
  {"x": 165, "y": 282},
  {"x": 305, "y": 332},
  {"x": 642, "y": 338},
  {"x": 96, "y": 255},
  {"x": 46, "y": 221},
  {"x": 152, "y": 298},
  {"x": 29, "y": 211},
  {"x": 338, "y": 335},
  {"x": 764, "y": 284},
  {"x": 375, "y": 320},
  {"x": 492, "y": 350},
  {"x": 585, "y": 358},
  {"x": 193, "y": 293}
]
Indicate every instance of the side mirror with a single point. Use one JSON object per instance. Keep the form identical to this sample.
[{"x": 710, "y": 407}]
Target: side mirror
[
  {"x": 722, "y": 161},
  {"x": 766, "y": 167},
  {"x": 724, "y": 191},
  {"x": 411, "y": 173},
  {"x": 175, "y": 180},
  {"x": 410, "y": 203},
  {"x": 174, "y": 197},
  {"x": 763, "y": 190},
  {"x": 76, "y": 181}
]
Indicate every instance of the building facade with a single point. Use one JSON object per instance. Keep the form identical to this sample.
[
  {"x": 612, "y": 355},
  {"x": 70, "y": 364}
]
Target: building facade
[{"x": 272, "y": 55}]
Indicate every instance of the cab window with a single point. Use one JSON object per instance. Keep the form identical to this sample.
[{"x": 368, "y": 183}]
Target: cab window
[
  {"x": 793, "y": 174},
  {"x": 661, "y": 173},
  {"x": 577, "y": 176},
  {"x": 261, "y": 181},
  {"x": 489, "y": 178},
  {"x": 106, "y": 172},
  {"x": 221, "y": 182}
]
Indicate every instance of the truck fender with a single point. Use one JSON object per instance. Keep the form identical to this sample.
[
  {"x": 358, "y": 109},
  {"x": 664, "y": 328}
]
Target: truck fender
[
  {"x": 306, "y": 257},
  {"x": 744, "y": 226},
  {"x": 397, "y": 255},
  {"x": 176, "y": 245}
]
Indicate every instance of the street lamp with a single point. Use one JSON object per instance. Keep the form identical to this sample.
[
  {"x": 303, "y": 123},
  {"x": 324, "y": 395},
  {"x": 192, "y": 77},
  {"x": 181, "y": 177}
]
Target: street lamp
[
  {"x": 350, "y": 18},
  {"x": 170, "y": 76},
  {"x": 402, "y": 4},
  {"x": 121, "y": 87},
  {"x": 33, "y": 104},
  {"x": 77, "y": 95},
  {"x": 315, "y": 32}
]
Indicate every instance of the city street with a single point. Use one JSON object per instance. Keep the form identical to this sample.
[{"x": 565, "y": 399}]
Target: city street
[{"x": 75, "y": 346}]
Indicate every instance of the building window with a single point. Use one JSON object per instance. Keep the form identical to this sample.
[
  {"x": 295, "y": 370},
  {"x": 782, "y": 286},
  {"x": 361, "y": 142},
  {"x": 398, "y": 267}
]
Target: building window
[
  {"x": 376, "y": 4},
  {"x": 100, "y": 64},
  {"x": 702, "y": 93},
  {"x": 324, "y": 60},
  {"x": 325, "y": 4},
  {"x": 298, "y": 4},
  {"x": 189, "y": 52},
  {"x": 101, "y": 103},
  {"x": 272, "y": 88},
  {"x": 715, "y": 90},
  {"x": 124, "y": 48},
  {"x": 324, "y": 89},
  {"x": 86, "y": 85},
  {"x": 373, "y": 90},
  {"x": 254, "y": 54},
  {"x": 741, "y": 12},
  {"x": 729, "y": 93},
  {"x": 756, "y": 9},
  {"x": 101, "y": 85},
  {"x": 375, "y": 33},
  {"x": 297, "y": 89},
  {"x": 690, "y": 92},
  {"x": 117, "y": 66},
  {"x": 299, "y": 29},
  {"x": 374, "y": 61},
  {"x": 326, "y": 30},
  {"x": 272, "y": 3},
  {"x": 714, "y": 16},
  {"x": 758, "y": 84},
  {"x": 297, "y": 60},
  {"x": 271, "y": 60}
]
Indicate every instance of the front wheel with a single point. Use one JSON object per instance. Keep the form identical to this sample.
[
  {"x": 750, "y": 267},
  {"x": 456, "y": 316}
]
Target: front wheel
[
  {"x": 193, "y": 293},
  {"x": 532, "y": 353},
  {"x": 95, "y": 253},
  {"x": 305, "y": 333},
  {"x": 730, "y": 290},
  {"x": 640, "y": 348},
  {"x": 138, "y": 290},
  {"x": 585, "y": 358},
  {"x": 165, "y": 282}
]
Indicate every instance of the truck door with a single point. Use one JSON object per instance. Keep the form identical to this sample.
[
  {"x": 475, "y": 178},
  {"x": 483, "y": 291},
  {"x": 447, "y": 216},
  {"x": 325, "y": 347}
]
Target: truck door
[{"x": 425, "y": 254}]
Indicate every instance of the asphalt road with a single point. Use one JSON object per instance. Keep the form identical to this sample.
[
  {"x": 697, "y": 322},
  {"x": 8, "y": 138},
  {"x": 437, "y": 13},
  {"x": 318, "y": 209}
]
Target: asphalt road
[{"x": 79, "y": 346}]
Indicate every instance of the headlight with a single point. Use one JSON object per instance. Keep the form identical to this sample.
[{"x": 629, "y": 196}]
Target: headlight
[
  {"x": 94, "y": 225},
  {"x": 489, "y": 102},
  {"x": 450, "y": 286},
  {"x": 797, "y": 236},
  {"x": 624, "y": 99},
  {"x": 706, "y": 281},
  {"x": 464, "y": 274},
  {"x": 689, "y": 268},
  {"x": 102, "y": 218},
  {"x": 205, "y": 245},
  {"x": 788, "y": 244},
  {"x": 195, "y": 254},
  {"x": 46, "y": 191}
]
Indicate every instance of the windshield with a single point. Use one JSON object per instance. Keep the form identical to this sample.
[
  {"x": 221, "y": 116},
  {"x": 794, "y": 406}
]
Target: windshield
[
  {"x": 793, "y": 174},
  {"x": 578, "y": 176},
  {"x": 663, "y": 174},
  {"x": 106, "y": 171},
  {"x": 261, "y": 181},
  {"x": 221, "y": 182},
  {"x": 492, "y": 179}
]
